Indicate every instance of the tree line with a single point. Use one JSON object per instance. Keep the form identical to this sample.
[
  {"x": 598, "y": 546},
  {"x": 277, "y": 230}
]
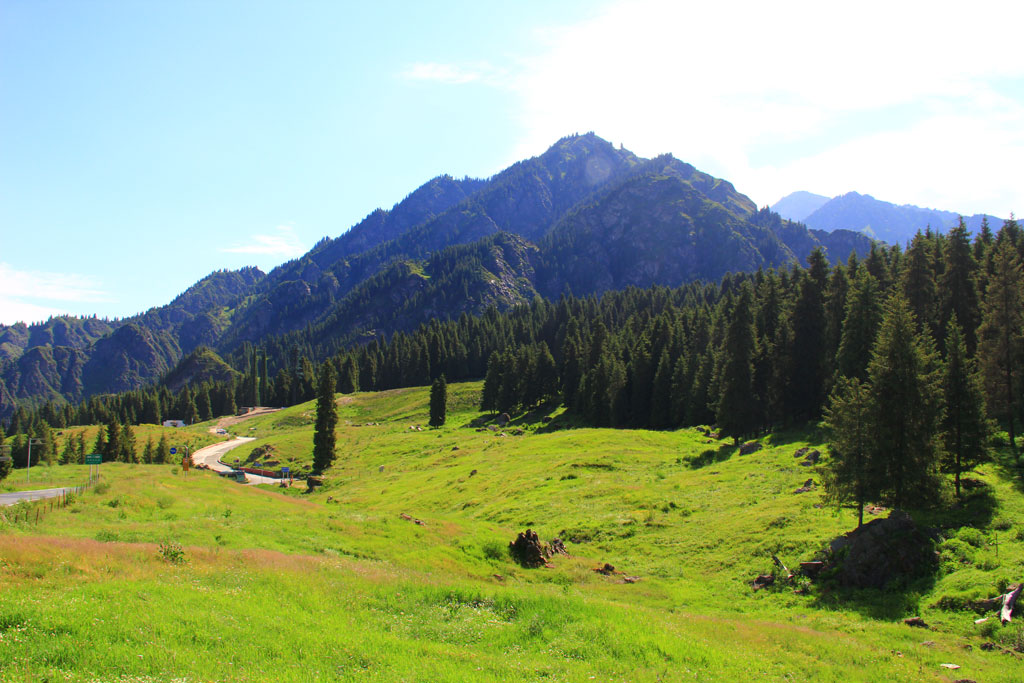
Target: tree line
[{"x": 752, "y": 353}]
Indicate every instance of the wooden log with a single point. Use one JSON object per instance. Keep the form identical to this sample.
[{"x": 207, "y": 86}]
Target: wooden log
[
  {"x": 784, "y": 568},
  {"x": 987, "y": 604},
  {"x": 1009, "y": 600}
]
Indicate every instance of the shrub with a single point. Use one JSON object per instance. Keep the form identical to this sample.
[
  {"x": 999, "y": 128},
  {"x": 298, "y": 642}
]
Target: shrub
[{"x": 172, "y": 552}]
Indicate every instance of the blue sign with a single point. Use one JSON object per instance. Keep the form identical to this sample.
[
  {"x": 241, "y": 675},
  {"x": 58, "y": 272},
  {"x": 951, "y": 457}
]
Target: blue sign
[
  {"x": 284, "y": 470},
  {"x": 173, "y": 450}
]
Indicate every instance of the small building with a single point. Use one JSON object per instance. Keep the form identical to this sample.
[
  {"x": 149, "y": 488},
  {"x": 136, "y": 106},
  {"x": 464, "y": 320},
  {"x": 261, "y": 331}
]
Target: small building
[{"x": 174, "y": 423}]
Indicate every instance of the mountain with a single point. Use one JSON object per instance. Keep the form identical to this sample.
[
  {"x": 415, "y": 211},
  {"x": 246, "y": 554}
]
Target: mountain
[
  {"x": 584, "y": 217},
  {"x": 880, "y": 220},
  {"x": 799, "y": 205}
]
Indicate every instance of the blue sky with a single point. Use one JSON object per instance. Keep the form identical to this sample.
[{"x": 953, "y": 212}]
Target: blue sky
[{"x": 146, "y": 144}]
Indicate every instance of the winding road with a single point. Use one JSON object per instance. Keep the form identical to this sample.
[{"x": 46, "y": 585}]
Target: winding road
[{"x": 211, "y": 457}]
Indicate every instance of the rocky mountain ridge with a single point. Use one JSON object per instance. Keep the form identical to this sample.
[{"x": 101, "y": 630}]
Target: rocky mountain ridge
[{"x": 583, "y": 217}]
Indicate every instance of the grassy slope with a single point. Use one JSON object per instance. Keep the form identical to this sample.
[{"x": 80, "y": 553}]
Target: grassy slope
[{"x": 286, "y": 584}]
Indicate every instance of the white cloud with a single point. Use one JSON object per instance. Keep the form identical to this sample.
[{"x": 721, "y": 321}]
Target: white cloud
[
  {"x": 33, "y": 296},
  {"x": 283, "y": 244},
  {"x": 484, "y": 73},
  {"x": 709, "y": 82},
  {"x": 441, "y": 73}
]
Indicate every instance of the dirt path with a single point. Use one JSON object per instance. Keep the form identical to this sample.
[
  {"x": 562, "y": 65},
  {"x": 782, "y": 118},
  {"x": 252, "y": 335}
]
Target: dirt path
[{"x": 226, "y": 422}]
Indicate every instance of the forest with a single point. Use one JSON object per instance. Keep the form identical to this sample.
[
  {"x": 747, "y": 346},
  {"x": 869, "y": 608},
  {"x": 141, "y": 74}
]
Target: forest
[{"x": 910, "y": 357}]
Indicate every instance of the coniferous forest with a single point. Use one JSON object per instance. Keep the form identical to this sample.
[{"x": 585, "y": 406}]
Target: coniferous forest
[{"x": 923, "y": 343}]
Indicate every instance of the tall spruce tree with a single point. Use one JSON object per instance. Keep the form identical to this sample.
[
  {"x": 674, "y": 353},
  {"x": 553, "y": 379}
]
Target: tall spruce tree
[
  {"x": 438, "y": 402},
  {"x": 959, "y": 292},
  {"x": 918, "y": 283},
  {"x": 1001, "y": 345},
  {"x": 326, "y": 420},
  {"x": 965, "y": 429},
  {"x": 736, "y": 409},
  {"x": 863, "y": 316},
  {"x": 906, "y": 405},
  {"x": 853, "y": 471},
  {"x": 807, "y": 359}
]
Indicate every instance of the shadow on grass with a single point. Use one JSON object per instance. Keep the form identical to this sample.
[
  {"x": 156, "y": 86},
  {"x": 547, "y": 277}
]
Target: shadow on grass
[
  {"x": 976, "y": 507},
  {"x": 1009, "y": 466},
  {"x": 711, "y": 456},
  {"x": 897, "y": 601}
]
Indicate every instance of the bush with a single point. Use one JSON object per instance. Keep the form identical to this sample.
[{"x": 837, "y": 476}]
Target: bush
[
  {"x": 102, "y": 487},
  {"x": 172, "y": 552},
  {"x": 494, "y": 550}
]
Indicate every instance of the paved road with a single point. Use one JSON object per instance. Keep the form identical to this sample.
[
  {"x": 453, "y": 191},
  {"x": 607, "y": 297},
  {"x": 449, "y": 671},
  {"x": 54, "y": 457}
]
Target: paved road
[
  {"x": 18, "y": 496},
  {"x": 211, "y": 456}
]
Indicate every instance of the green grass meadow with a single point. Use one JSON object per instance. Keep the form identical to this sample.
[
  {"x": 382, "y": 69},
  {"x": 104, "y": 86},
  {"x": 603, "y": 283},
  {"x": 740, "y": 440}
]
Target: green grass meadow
[{"x": 157, "y": 576}]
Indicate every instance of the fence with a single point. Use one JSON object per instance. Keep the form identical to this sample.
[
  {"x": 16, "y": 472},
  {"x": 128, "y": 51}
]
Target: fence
[{"x": 34, "y": 510}]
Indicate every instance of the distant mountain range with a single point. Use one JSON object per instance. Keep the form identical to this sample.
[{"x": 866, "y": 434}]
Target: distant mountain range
[
  {"x": 863, "y": 213},
  {"x": 583, "y": 217}
]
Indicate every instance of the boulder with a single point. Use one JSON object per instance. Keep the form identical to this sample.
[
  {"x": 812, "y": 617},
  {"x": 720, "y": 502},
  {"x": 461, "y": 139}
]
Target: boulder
[
  {"x": 750, "y": 447},
  {"x": 808, "y": 486},
  {"x": 881, "y": 551}
]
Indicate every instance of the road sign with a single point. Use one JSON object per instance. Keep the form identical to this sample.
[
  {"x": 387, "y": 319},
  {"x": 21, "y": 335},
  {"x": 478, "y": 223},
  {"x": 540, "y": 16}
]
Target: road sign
[
  {"x": 93, "y": 459},
  {"x": 285, "y": 470},
  {"x": 174, "y": 450}
]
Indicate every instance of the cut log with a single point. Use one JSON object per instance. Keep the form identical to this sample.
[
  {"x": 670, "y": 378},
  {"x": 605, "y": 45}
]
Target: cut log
[
  {"x": 1009, "y": 600},
  {"x": 987, "y": 604},
  {"x": 784, "y": 568}
]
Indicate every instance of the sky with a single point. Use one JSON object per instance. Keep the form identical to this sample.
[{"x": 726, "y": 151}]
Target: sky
[{"x": 144, "y": 145}]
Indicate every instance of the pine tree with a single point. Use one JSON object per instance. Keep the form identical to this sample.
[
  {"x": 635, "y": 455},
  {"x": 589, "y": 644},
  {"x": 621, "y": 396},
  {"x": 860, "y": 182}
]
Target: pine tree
[
  {"x": 544, "y": 374},
  {"x": 492, "y": 381},
  {"x": 661, "y": 393},
  {"x": 163, "y": 450},
  {"x": 348, "y": 382},
  {"x": 959, "y": 293},
  {"x": 807, "y": 359},
  {"x": 906, "y": 405},
  {"x": 326, "y": 420},
  {"x": 736, "y": 408},
  {"x": 1001, "y": 336},
  {"x": 863, "y": 316},
  {"x": 100, "y": 446},
  {"x": 918, "y": 283},
  {"x": 854, "y": 473},
  {"x": 438, "y": 402},
  {"x": 128, "y": 452},
  {"x": 965, "y": 429}
]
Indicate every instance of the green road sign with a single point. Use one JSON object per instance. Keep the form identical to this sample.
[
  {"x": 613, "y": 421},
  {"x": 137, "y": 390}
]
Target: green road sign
[{"x": 93, "y": 459}]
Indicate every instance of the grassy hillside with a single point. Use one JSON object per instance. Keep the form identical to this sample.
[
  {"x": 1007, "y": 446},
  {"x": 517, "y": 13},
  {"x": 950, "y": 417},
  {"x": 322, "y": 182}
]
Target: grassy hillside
[{"x": 196, "y": 578}]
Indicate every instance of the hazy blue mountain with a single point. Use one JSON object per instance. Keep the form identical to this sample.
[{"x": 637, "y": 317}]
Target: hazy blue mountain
[
  {"x": 891, "y": 223},
  {"x": 799, "y": 205}
]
